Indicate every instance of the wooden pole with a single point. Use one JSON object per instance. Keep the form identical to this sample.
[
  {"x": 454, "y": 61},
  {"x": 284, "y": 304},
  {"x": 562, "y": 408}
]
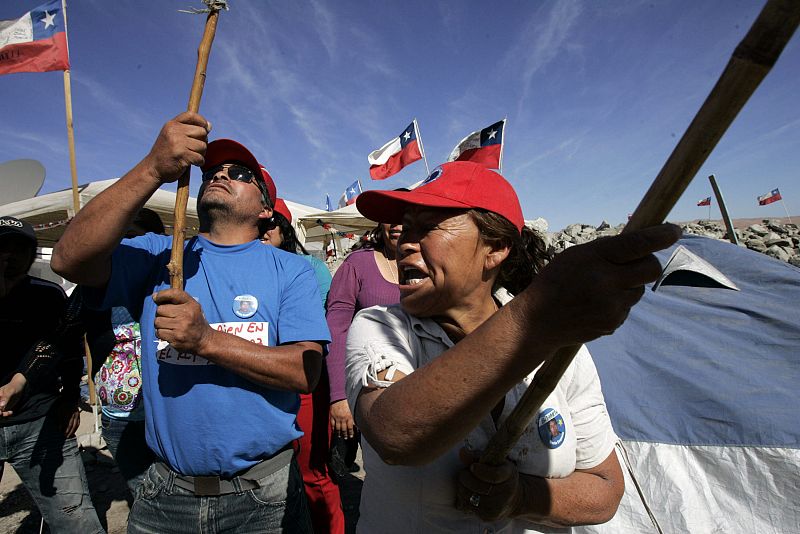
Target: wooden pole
[
  {"x": 750, "y": 63},
  {"x": 76, "y": 203},
  {"x": 175, "y": 265},
  {"x": 732, "y": 237}
]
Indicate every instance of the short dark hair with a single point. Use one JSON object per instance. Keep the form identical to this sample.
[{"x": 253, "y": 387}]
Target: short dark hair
[{"x": 149, "y": 221}]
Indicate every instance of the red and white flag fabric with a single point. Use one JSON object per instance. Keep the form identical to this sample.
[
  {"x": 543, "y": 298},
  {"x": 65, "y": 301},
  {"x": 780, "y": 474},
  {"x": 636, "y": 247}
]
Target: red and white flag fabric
[
  {"x": 705, "y": 202},
  {"x": 395, "y": 154},
  {"x": 484, "y": 147},
  {"x": 769, "y": 198},
  {"x": 350, "y": 194},
  {"x": 35, "y": 42}
]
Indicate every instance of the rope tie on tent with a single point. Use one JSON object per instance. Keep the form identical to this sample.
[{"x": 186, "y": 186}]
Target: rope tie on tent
[{"x": 623, "y": 453}]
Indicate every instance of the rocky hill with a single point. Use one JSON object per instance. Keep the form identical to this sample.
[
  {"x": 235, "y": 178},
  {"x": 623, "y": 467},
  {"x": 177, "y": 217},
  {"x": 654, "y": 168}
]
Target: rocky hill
[{"x": 770, "y": 236}]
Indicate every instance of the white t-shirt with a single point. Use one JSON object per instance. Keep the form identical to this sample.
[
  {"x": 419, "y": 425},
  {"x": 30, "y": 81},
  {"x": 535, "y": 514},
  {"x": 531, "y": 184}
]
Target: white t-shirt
[{"x": 571, "y": 431}]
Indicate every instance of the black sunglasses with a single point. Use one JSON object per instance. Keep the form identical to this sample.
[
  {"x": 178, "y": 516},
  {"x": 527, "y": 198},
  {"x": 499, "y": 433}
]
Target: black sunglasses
[{"x": 234, "y": 172}]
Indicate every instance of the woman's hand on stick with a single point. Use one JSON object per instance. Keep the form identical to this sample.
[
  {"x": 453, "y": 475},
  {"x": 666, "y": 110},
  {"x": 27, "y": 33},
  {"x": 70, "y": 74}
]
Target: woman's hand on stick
[
  {"x": 491, "y": 492},
  {"x": 587, "y": 290}
]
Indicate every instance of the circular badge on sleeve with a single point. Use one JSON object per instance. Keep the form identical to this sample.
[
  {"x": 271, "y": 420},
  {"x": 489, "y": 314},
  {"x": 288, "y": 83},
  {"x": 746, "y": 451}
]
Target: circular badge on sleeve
[
  {"x": 551, "y": 428},
  {"x": 245, "y": 306}
]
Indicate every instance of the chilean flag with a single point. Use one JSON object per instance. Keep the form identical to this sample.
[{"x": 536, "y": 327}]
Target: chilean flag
[
  {"x": 769, "y": 198},
  {"x": 396, "y": 154},
  {"x": 484, "y": 147},
  {"x": 705, "y": 202},
  {"x": 350, "y": 194},
  {"x": 35, "y": 42}
]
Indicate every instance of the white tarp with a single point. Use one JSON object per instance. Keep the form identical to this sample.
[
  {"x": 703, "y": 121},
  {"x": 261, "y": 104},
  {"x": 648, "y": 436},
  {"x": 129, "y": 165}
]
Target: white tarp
[{"x": 56, "y": 207}]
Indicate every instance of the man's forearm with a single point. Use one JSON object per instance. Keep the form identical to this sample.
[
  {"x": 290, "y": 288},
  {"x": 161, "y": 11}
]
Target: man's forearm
[
  {"x": 292, "y": 367},
  {"x": 83, "y": 254}
]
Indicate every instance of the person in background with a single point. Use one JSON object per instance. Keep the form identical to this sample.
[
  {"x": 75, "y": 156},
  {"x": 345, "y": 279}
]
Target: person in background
[
  {"x": 114, "y": 340},
  {"x": 433, "y": 378},
  {"x": 279, "y": 232},
  {"x": 324, "y": 499},
  {"x": 41, "y": 390},
  {"x": 367, "y": 277}
]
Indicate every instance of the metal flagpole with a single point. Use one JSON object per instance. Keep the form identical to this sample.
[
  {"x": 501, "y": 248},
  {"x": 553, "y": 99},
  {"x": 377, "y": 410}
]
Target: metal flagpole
[
  {"x": 787, "y": 211},
  {"x": 502, "y": 144},
  {"x": 723, "y": 211},
  {"x": 421, "y": 148}
]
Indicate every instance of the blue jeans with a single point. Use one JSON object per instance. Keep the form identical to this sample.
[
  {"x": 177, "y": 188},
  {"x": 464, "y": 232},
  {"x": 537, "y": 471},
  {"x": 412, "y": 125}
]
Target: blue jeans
[
  {"x": 126, "y": 441},
  {"x": 277, "y": 505},
  {"x": 50, "y": 466}
]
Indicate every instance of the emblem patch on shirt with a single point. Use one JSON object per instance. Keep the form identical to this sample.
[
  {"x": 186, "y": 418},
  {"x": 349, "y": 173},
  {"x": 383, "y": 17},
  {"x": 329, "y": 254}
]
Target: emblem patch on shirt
[
  {"x": 551, "y": 428},
  {"x": 245, "y": 306}
]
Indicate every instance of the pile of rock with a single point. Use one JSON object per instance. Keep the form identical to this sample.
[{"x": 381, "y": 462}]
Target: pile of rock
[{"x": 780, "y": 241}]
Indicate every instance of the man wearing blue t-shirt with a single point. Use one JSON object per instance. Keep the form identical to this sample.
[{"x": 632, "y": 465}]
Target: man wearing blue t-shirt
[{"x": 222, "y": 360}]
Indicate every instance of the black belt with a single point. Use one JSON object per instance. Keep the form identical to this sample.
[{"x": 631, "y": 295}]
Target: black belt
[{"x": 214, "y": 485}]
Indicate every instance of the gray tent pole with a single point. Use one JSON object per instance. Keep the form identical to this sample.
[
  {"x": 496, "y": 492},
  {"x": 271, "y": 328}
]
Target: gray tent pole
[{"x": 724, "y": 211}]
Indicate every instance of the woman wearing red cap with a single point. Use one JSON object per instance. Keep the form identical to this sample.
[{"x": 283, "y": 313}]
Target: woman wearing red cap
[{"x": 431, "y": 379}]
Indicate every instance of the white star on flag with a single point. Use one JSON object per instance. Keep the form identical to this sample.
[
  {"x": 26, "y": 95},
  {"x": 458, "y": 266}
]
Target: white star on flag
[
  {"x": 352, "y": 190},
  {"x": 492, "y": 134},
  {"x": 48, "y": 20},
  {"x": 407, "y": 136}
]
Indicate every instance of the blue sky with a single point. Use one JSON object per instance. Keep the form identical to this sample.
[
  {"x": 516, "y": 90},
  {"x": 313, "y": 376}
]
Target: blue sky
[{"x": 597, "y": 95}]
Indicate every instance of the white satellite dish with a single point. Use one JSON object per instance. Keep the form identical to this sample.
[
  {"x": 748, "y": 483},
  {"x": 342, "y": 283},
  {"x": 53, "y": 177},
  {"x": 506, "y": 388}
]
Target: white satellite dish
[{"x": 20, "y": 179}]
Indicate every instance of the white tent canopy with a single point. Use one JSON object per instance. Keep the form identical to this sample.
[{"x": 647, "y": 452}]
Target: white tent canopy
[
  {"x": 54, "y": 209},
  {"x": 345, "y": 220},
  {"x": 50, "y": 212}
]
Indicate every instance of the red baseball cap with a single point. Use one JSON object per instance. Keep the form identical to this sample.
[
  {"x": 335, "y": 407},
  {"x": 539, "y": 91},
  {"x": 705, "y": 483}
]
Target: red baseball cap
[
  {"x": 283, "y": 209},
  {"x": 227, "y": 150},
  {"x": 459, "y": 184}
]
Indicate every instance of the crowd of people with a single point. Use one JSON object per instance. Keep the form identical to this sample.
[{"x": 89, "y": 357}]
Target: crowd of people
[{"x": 221, "y": 401}]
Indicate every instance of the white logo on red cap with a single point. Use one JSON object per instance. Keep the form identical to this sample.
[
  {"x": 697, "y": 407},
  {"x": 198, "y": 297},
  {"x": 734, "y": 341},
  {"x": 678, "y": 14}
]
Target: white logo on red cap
[{"x": 437, "y": 172}]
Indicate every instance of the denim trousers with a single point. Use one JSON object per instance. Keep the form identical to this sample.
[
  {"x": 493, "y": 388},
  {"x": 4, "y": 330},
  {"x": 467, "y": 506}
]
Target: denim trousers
[
  {"x": 126, "y": 442},
  {"x": 277, "y": 505},
  {"x": 51, "y": 469}
]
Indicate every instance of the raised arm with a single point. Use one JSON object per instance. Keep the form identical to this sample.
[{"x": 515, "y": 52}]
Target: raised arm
[
  {"x": 83, "y": 254},
  {"x": 586, "y": 292}
]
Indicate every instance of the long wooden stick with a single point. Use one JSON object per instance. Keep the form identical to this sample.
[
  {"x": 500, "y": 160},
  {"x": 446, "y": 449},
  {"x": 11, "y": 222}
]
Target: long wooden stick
[
  {"x": 175, "y": 265},
  {"x": 750, "y": 63}
]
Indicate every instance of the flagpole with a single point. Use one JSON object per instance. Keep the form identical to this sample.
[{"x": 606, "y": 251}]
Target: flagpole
[
  {"x": 76, "y": 206},
  {"x": 786, "y": 210},
  {"x": 732, "y": 237},
  {"x": 76, "y": 203},
  {"x": 421, "y": 148},
  {"x": 502, "y": 144}
]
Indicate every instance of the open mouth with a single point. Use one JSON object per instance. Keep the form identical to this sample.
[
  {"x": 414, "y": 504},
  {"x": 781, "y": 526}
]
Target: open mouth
[{"x": 413, "y": 276}]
